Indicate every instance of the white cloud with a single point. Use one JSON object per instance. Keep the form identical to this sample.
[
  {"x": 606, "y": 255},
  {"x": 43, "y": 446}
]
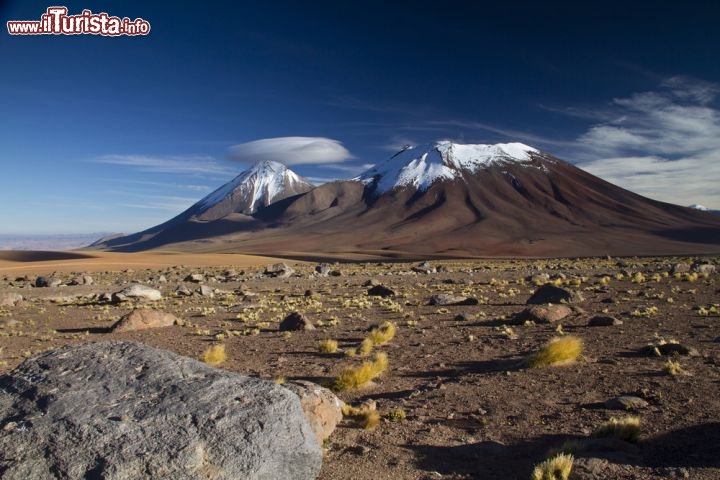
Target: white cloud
[
  {"x": 683, "y": 182},
  {"x": 663, "y": 144},
  {"x": 291, "y": 151},
  {"x": 198, "y": 165}
]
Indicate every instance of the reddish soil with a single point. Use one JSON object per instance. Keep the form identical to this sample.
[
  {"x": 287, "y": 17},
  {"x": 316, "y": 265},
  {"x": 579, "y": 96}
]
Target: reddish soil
[{"x": 472, "y": 410}]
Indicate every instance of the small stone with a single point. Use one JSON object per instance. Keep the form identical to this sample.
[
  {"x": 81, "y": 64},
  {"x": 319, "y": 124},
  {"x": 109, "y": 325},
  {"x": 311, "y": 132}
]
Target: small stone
[
  {"x": 182, "y": 291},
  {"x": 604, "y": 321},
  {"x": 546, "y": 313},
  {"x": 553, "y": 294},
  {"x": 144, "y": 319},
  {"x": 371, "y": 283},
  {"x": 195, "y": 278},
  {"x": 444, "y": 299},
  {"x": 206, "y": 291},
  {"x": 680, "y": 268},
  {"x": 279, "y": 270},
  {"x": 9, "y": 299},
  {"x": 137, "y": 291},
  {"x": 381, "y": 291},
  {"x": 296, "y": 321},
  {"x": 626, "y": 402},
  {"x": 323, "y": 269}
]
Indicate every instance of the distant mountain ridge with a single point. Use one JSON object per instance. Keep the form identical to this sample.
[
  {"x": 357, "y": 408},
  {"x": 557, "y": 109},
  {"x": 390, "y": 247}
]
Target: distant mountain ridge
[{"x": 441, "y": 199}]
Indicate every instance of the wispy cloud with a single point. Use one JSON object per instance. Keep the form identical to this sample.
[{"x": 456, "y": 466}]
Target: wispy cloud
[
  {"x": 291, "y": 151},
  {"x": 664, "y": 144},
  {"x": 192, "y": 164}
]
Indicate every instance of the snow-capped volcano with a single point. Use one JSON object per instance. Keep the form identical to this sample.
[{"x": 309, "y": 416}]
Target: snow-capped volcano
[
  {"x": 421, "y": 166},
  {"x": 264, "y": 183}
]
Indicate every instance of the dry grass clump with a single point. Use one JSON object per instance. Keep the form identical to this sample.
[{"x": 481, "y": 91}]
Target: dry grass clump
[
  {"x": 674, "y": 368},
  {"x": 627, "y": 428},
  {"x": 558, "y": 351},
  {"x": 382, "y": 334},
  {"x": 366, "y": 347},
  {"x": 554, "y": 468},
  {"x": 397, "y": 415},
  {"x": 359, "y": 376},
  {"x": 365, "y": 416},
  {"x": 214, "y": 355},
  {"x": 327, "y": 346}
]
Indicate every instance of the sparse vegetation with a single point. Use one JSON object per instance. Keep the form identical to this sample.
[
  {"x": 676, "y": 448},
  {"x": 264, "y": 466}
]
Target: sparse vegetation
[
  {"x": 368, "y": 418},
  {"x": 357, "y": 377},
  {"x": 214, "y": 355},
  {"x": 558, "y": 351},
  {"x": 626, "y": 428},
  {"x": 327, "y": 346},
  {"x": 558, "y": 467}
]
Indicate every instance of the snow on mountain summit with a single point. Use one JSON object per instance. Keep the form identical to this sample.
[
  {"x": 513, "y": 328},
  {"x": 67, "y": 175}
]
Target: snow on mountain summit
[
  {"x": 421, "y": 166},
  {"x": 264, "y": 183}
]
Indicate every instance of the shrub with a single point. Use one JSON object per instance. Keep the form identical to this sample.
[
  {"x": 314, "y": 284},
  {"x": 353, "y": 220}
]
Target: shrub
[
  {"x": 214, "y": 355},
  {"x": 627, "y": 428},
  {"x": 554, "y": 468},
  {"x": 382, "y": 334},
  {"x": 366, "y": 347},
  {"x": 558, "y": 351},
  {"x": 357, "y": 377},
  {"x": 327, "y": 346},
  {"x": 366, "y": 417}
]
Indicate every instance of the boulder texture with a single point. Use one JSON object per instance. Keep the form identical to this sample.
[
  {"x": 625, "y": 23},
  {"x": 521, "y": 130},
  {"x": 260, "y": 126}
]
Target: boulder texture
[
  {"x": 322, "y": 408},
  {"x": 553, "y": 294},
  {"x": 143, "y": 319},
  {"x": 137, "y": 291},
  {"x": 123, "y": 410}
]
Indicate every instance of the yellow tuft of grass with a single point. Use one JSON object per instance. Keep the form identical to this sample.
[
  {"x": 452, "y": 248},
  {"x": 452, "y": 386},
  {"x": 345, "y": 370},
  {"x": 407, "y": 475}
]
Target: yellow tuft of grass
[
  {"x": 558, "y": 351},
  {"x": 366, "y": 347},
  {"x": 357, "y": 377},
  {"x": 382, "y": 334},
  {"x": 366, "y": 417},
  {"x": 214, "y": 355},
  {"x": 674, "y": 368},
  {"x": 554, "y": 468},
  {"x": 327, "y": 346},
  {"x": 626, "y": 428}
]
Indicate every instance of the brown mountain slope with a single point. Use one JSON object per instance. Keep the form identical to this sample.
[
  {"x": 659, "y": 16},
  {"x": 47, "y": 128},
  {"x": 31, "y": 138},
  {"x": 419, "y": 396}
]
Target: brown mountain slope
[{"x": 539, "y": 207}]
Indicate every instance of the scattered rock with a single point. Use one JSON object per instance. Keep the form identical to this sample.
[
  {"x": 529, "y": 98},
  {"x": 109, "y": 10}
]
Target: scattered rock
[
  {"x": 296, "y": 321},
  {"x": 195, "y": 278},
  {"x": 671, "y": 349},
  {"x": 162, "y": 279},
  {"x": 444, "y": 299},
  {"x": 425, "y": 268},
  {"x": 44, "y": 282},
  {"x": 137, "y": 291},
  {"x": 182, "y": 290},
  {"x": 279, "y": 270},
  {"x": 604, "y": 321},
  {"x": 546, "y": 313},
  {"x": 336, "y": 273},
  {"x": 322, "y": 269},
  {"x": 626, "y": 402},
  {"x": 322, "y": 408},
  {"x": 704, "y": 268},
  {"x": 371, "y": 283},
  {"x": 206, "y": 291},
  {"x": 680, "y": 268},
  {"x": 381, "y": 291},
  {"x": 143, "y": 319},
  {"x": 9, "y": 299},
  {"x": 162, "y": 416},
  {"x": 553, "y": 294}
]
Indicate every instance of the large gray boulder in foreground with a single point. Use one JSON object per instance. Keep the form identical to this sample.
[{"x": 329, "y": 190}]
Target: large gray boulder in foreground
[{"x": 123, "y": 410}]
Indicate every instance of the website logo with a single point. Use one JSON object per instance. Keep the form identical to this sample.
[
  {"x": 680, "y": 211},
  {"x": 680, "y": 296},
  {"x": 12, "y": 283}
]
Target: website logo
[{"x": 56, "y": 21}]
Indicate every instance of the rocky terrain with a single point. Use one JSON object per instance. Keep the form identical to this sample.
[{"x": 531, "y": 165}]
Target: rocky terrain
[{"x": 458, "y": 398}]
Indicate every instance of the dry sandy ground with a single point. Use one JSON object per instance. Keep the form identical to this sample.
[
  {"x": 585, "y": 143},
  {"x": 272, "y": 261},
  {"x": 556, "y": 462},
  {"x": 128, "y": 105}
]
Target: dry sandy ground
[
  {"x": 33, "y": 262},
  {"x": 472, "y": 410}
]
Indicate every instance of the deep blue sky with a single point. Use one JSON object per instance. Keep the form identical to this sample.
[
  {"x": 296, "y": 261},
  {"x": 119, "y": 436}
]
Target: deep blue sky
[{"x": 121, "y": 133}]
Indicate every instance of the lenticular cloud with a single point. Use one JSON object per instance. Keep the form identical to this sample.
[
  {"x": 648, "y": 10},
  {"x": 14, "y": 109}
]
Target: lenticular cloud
[{"x": 291, "y": 151}]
